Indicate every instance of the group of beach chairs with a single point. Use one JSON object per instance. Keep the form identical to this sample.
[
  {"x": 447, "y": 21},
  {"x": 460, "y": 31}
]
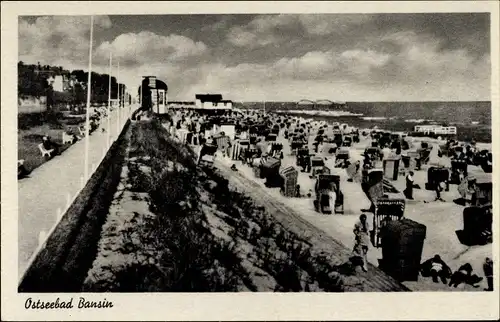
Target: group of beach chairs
[{"x": 48, "y": 148}]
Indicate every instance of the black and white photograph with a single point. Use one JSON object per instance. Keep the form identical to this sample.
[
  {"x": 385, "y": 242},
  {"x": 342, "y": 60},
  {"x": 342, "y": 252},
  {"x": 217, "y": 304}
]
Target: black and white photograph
[{"x": 204, "y": 152}]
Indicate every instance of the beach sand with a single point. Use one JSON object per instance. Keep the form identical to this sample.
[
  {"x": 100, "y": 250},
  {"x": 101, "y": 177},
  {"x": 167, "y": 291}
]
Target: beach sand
[{"x": 442, "y": 219}]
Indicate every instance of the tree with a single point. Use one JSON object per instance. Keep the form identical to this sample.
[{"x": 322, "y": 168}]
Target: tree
[
  {"x": 50, "y": 98},
  {"x": 79, "y": 94},
  {"x": 80, "y": 75}
]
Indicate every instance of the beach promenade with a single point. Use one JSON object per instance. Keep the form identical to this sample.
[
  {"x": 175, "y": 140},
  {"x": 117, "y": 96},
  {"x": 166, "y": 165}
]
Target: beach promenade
[{"x": 44, "y": 195}]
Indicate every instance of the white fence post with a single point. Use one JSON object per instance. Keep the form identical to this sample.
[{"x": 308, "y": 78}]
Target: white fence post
[
  {"x": 59, "y": 213},
  {"x": 93, "y": 167},
  {"x": 82, "y": 183},
  {"x": 68, "y": 200},
  {"x": 41, "y": 237}
]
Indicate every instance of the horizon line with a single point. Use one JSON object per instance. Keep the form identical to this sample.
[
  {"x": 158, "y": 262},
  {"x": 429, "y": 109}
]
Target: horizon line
[{"x": 340, "y": 102}]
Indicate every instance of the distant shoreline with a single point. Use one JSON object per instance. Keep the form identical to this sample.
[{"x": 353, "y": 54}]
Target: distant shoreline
[{"x": 480, "y": 132}]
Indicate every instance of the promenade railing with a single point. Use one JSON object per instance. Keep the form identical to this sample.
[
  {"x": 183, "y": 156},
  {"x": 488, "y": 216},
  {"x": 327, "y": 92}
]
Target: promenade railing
[{"x": 117, "y": 120}]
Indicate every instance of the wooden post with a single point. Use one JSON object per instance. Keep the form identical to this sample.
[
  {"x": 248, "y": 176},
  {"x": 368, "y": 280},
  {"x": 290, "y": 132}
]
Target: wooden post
[{"x": 41, "y": 237}]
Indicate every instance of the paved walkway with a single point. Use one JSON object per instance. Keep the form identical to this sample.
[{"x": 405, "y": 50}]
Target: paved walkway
[{"x": 52, "y": 185}]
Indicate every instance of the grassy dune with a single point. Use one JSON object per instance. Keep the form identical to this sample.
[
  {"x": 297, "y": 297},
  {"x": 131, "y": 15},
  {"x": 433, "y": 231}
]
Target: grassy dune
[{"x": 175, "y": 227}]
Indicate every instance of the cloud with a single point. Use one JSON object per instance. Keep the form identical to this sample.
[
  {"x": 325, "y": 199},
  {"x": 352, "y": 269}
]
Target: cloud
[
  {"x": 262, "y": 30},
  {"x": 64, "y": 41},
  {"x": 324, "y": 24},
  {"x": 420, "y": 58},
  {"x": 418, "y": 70},
  {"x": 266, "y": 29},
  {"x": 340, "y": 57},
  {"x": 147, "y": 47},
  {"x": 58, "y": 40}
]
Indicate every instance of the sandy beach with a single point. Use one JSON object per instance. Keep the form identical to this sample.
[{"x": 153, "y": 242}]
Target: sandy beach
[{"x": 442, "y": 219}]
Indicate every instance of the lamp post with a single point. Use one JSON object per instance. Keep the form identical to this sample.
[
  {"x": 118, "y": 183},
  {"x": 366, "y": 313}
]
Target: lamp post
[
  {"x": 108, "y": 127},
  {"x": 140, "y": 98},
  {"x": 118, "y": 97},
  {"x": 87, "y": 116}
]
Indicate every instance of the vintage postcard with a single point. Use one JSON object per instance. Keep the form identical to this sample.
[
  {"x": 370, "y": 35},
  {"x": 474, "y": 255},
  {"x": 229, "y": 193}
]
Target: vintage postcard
[{"x": 250, "y": 160}]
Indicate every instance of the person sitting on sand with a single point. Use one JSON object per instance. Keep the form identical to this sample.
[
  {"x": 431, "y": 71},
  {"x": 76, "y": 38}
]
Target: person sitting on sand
[
  {"x": 211, "y": 141},
  {"x": 21, "y": 169},
  {"x": 435, "y": 267},
  {"x": 361, "y": 241},
  {"x": 464, "y": 275}
]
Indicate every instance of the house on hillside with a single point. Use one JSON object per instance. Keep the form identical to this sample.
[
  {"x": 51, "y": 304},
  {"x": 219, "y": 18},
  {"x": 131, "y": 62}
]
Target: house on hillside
[
  {"x": 212, "y": 101},
  {"x": 62, "y": 83},
  {"x": 57, "y": 82}
]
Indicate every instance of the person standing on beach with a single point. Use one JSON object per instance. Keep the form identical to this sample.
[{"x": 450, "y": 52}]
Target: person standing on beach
[
  {"x": 488, "y": 273},
  {"x": 409, "y": 186},
  {"x": 361, "y": 241},
  {"x": 439, "y": 188}
]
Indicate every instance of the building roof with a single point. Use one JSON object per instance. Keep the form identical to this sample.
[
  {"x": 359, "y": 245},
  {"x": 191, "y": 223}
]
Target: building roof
[
  {"x": 182, "y": 102},
  {"x": 209, "y": 97},
  {"x": 159, "y": 85}
]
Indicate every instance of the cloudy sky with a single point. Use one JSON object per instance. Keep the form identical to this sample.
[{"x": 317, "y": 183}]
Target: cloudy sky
[{"x": 346, "y": 57}]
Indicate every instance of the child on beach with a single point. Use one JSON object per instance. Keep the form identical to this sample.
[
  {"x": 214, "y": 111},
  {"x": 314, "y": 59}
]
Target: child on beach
[
  {"x": 361, "y": 241},
  {"x": 440, "y": 186}
]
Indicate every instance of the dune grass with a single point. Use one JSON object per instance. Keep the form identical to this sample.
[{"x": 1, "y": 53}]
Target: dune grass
[
  {"x": 184, "y": 255},
  {"x": 176, "y": 249}
]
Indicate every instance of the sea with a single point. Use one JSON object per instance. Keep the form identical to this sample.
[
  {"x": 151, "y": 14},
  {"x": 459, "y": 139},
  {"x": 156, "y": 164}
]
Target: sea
[{"x": 472, "y": 119}]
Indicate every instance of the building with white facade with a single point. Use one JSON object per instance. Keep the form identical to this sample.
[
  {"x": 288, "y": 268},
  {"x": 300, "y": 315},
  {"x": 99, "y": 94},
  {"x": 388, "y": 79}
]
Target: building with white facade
[
  {"x": 57, "y": 83},
  {"x": 212, "y": 102},
  {"x": 437, "y": 129}
]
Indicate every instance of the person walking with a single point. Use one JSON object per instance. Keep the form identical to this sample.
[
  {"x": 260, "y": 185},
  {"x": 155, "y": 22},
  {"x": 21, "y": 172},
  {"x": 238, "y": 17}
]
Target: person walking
[
  {"x": 361, "y": 241},
  {"x": 409, "y": 186}
]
